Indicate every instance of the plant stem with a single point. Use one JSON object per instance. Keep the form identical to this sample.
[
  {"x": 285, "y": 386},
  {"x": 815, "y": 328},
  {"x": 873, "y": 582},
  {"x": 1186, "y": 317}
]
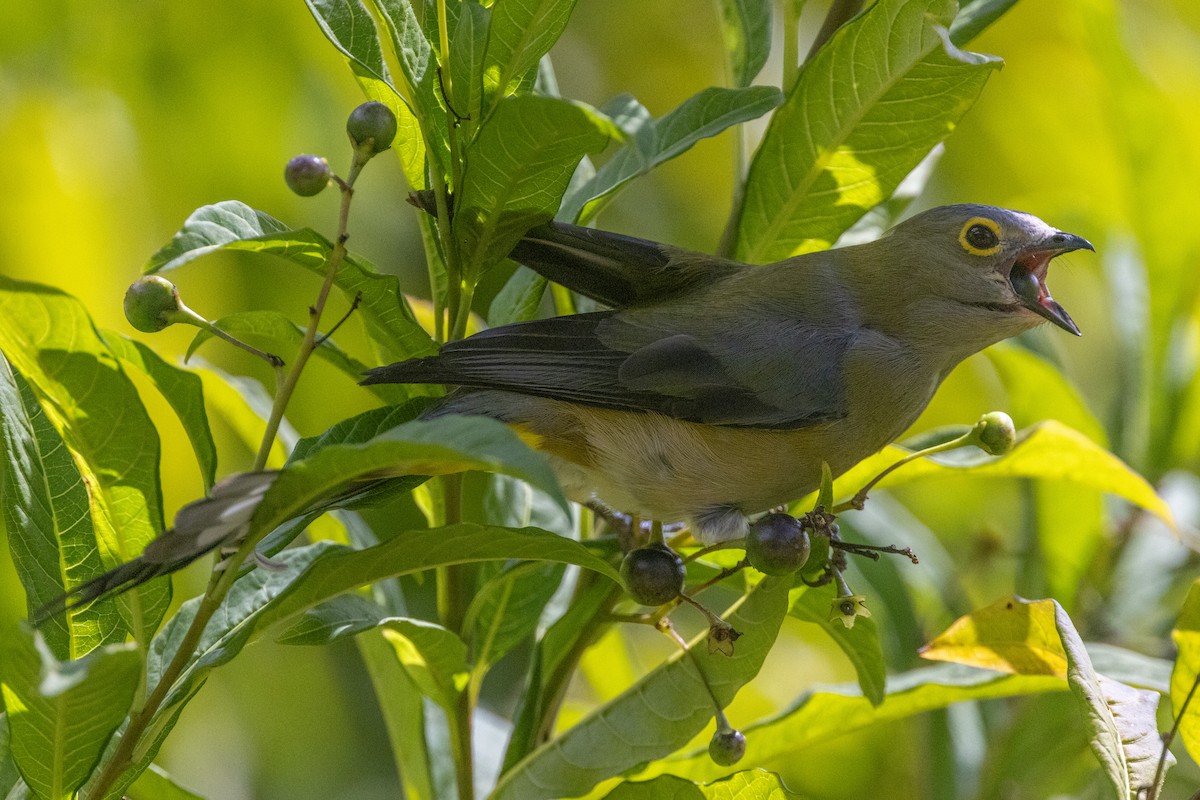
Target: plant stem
[{"x": 222, "y": 580}]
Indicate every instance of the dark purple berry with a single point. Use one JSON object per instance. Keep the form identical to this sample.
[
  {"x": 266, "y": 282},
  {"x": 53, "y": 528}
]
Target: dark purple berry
[
  {"x": 307, "y": 175},
  {"x": 653, "y": 575},
  {"x": 777, "y": 544},
  {"x": 727, "y": 747}
]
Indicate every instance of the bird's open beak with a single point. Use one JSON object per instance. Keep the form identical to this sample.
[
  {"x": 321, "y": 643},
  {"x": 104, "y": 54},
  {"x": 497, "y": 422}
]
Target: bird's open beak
[{"x": 1028, "y": 277}]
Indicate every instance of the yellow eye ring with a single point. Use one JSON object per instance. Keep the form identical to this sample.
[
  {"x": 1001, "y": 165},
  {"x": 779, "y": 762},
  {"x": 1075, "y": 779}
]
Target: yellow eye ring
[{"x": 980, "y": 236}]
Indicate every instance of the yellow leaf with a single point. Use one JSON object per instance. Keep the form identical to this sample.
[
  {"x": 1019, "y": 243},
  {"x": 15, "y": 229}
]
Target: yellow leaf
[{"x": 1013, "y": 635}]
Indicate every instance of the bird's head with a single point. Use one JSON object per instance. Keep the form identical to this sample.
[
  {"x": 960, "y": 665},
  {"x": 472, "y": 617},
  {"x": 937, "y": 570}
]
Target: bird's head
[{"x": 990, "y": 262}]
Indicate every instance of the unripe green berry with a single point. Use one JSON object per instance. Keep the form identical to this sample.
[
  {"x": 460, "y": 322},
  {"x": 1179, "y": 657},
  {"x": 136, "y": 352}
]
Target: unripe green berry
[
  {"x": 727, "y": 747},
  {"x": 653, "y": 574},
  {"x": 307, "y": 175},
  {"x": 372, "y": 121},
  {"x": 150, "y": 302},
  {"x": 996, "y": 432},
  {"x": 777, "y": 544}
]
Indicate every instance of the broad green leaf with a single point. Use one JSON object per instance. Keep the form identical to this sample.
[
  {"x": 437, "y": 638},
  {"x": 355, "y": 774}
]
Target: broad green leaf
[
  {"x": 824, "y": 713},
  {"x": 419, "y": 67},
  {"x": 319, "y": 572},
  {"x": 864, "y": 111},
  {"x": 701, "y": 116},
  {"x": 1120, "y": 721},
  {"x": 746, "y": 25},
  {"x": 48, "y": 337},
  {"x": 519, "y": 300},
  {"x": 47, "y": 519},
  {"x": 421, "y": 447},
  {"x": 434, "y": 658},
  {"x": 231, "y": 225},
  {"x": 403, "y": 713},
  {"x": 156, "y": 784},
  {"x": 551, "y": 656},
  {"x": 342, "y": 616},
  {"x": 1047, "y": 451},
  {"x": 749, "y": 785},
  {"x": 659, "y": 714},
  {"x": 522, "y": 31},
  {"x": 507, "y": 608},
  {"x": 360, "y": 428},
  {"x": 1186, "y": 674},
  {"x": 183, "y": 390},
  {"x": 61, "y": 714},
  {"x": 516, "y": 171},
  {"x": 976, "y": 15},
  {"x": 349, "y": 26},
  {"x": 860, "y": 643},
  {"x": 1010, "y": 635},
  {"x": 468, "y": 45}
]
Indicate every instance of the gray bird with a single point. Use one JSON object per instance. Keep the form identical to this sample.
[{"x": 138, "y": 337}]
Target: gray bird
[{"x": 714, "y": 390}]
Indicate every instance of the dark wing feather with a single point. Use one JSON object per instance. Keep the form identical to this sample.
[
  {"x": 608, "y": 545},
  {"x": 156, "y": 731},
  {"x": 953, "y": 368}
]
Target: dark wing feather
[
  {"x": 713, "y": 380},
  {"x": 619, "y": 271}
]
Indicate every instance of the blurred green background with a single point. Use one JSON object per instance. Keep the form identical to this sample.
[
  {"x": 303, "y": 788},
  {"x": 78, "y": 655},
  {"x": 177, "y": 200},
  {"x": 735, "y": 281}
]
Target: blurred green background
[{"x": 118, "y": 119}]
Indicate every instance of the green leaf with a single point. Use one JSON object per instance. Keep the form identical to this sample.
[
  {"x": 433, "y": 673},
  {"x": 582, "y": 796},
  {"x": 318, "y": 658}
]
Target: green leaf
[
  {"x": 344, "y": 615},
  {"x": 183, "y": 390},
  {"x": 235, "y": 402},
  {"x": 746, "y": 25},
  {"x": 47, "y": 517},
  {"x": 422, "y": 447},
  {"x": 551, "y": 654},
  {"x": 507, "y": 608},
  {"x": 49, "y": 339},
  {"x": 434, "y": 658},
  {"x": 360, "y": 428},
  {"x": 522, "y": 31},
  {"x": 1047, "y": 451},
  {"x": 1186, "y": 673},
  {"x": 749, "y": 785},
  {"x": 156, "y": 784},
  {"x": 701, "y": 116},
  {"x": 519, "y": 300},
  {"x": 1010, "y": 635},
  {"x": 822, "y": 714},
  {"x": 403, "y": 713},
  {"x": 516, "y": 171},
  {"x": 976, "y": 15},
  {"x": 468, "y": 45},
  {"x": 231, "y": 225},
  {"x": 61, "y": 714},
  {"x": 860, "y": 643},
  {"x": 864, "y": 112},
  {"x": 12, "y": 787},
  {"x": 315, "y": 574},
  {"x": 419, "y": 66},
  {"x": 350, "y": 27},
  {"x": 656, "y": 716},
  {"x": 1120, "y": 720}
]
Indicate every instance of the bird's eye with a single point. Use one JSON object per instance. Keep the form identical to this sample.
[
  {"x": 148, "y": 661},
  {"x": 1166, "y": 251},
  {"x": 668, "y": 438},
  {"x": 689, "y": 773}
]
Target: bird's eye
[{"x": 980, "y": 237}]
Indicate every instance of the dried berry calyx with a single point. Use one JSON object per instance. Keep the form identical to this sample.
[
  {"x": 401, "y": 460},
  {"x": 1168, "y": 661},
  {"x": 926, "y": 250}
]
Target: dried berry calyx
[
  {"x": 372, "y": 124},
  {"x": 653, "y": 575},
  {"x": 307, "y": 175},
  {"x": 727, "y": 747},
  {"x": 777, "y": 544},
  {"x": 151, "y": 303}
]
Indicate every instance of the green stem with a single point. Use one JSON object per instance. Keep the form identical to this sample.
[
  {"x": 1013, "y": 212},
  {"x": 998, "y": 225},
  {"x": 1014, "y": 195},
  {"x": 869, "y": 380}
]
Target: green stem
[
  {"x": 791, "y": 43},
  {"x": 860, "y": 498},
  {"x": 221, "y": 580}
]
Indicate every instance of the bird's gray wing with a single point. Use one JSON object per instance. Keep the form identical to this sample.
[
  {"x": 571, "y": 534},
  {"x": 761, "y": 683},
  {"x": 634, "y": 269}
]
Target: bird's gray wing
[{"x": 789, "y": 379}]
